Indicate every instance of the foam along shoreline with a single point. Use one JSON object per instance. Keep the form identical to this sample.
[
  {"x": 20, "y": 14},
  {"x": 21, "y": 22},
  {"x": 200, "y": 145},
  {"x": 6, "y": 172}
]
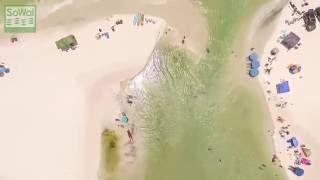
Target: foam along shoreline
[
  {"x": 298, "y": 108},
  {"x": 56, "y": 104}
]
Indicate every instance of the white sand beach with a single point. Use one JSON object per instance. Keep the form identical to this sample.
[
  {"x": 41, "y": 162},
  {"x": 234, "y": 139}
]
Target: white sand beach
[
  {"x": 299, "y": 107},
  {"x": 55, "y": 104}
]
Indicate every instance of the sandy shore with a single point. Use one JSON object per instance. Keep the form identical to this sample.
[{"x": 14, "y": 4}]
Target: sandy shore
[
  {"x": 55, "y": 104},
  {"x": 299, "y": 107},
  {"x": 77, "y": 93},
  {"x": 71, "y": 13}
]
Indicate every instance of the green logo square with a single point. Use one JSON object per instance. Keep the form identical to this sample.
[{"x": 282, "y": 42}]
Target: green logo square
[{"x": 19, "y": 19}]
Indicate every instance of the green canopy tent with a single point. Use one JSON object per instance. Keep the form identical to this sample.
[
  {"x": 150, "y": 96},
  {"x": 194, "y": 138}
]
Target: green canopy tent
[{"x": 66, "y": 43}]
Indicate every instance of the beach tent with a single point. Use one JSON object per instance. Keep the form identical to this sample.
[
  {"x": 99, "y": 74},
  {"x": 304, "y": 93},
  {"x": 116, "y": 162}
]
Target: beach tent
[
  {"x": 255, "y": 64},
  {"x": 309, "y": 18},
  {"x": 293, "y": 142},
  {"x": 298, "y": 171},
  {"x": 135, "y": 19},
  {"x": 66, "y": 43},
  {"x": 253, "y": 57},
  {"x": 306, "y": 151},
  {"x": 283, "y": 87},
  {"x": 124, "y": 119},
  {"x": 290, "y": 40},
  {"x": 253, "y": 72},
  {"x": 294, "y": 68},
  {"x": 138, "y": 19}
]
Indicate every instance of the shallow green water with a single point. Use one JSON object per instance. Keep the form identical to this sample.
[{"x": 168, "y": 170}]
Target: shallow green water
[{"x": 198, "y": 126}]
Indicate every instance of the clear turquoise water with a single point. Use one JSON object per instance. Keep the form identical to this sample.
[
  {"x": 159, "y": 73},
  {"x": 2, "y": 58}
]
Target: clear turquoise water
[{"x": 199, "y": 127}]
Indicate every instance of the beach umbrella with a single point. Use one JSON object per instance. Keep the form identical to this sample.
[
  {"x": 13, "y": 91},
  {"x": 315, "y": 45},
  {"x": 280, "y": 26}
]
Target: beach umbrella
[
  {"x": 306, "y": 151},
  {"x": 274, "y": 51},
  {"x": 124, "y": 119},
  {"x": 255, "y": 64},
  {"x": 294, "y": 68},
  {"x": 298, "y": 171},
  {"x": 254, "y": 72},
  {"x": 253, "y": 57},
  {"x": 293, "y": 141}
]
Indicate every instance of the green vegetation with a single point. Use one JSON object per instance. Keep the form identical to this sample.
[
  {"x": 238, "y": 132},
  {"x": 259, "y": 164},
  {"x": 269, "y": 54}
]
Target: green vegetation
[
  {"x": 202, "y": 124},
  {"x": 110, "y": 152}
]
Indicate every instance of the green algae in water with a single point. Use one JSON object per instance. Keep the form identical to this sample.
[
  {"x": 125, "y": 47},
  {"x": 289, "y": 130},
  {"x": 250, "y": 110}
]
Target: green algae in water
[
  {"x": 110, "y": 153},
  {"x": 196, "y": 132},
  {"x": 199, "y": 126}
]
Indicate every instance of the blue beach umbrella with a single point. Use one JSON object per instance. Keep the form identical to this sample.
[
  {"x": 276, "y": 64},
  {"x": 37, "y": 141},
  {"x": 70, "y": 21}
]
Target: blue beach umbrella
[
  {"x": 253, "y": 57},
  {"x": 255, "y": 64},
  {"x": 293, "y": 141},
  {"x": 298, "y": 171},
  {"x": 253, "y": 72}
]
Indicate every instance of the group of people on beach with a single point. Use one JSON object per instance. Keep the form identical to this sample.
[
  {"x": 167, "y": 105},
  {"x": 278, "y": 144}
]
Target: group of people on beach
[
  {"x": 138, "y": 19},
  {"x": 101, "y": 33},
  {"x": 123, "y": 122},
  {"x": 295, "y": 149}
]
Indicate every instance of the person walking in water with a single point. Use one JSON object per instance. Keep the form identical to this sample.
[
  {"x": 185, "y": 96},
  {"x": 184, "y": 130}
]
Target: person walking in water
[{"x": 130, "y": 136}]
